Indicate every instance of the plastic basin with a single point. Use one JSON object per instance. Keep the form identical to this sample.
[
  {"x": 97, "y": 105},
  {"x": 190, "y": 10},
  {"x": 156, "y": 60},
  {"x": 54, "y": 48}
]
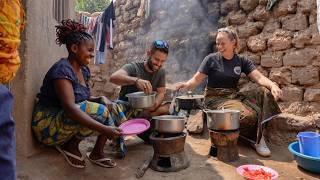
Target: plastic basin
[{"x": 309, "y": 163}]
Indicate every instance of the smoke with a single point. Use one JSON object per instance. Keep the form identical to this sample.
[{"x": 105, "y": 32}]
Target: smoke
[{"x": 186, "y": 25}]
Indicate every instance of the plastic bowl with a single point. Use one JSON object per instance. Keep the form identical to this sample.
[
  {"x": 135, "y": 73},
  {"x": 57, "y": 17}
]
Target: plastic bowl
[
  {"x": 240, "y": 170},
  {"x": 309, "y": 163}
]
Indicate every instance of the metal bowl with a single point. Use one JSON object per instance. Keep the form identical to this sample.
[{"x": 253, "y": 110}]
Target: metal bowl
[
  {"x": 225, "y": 119},
  {"x": 169, "y": 123},
  {"x": 140, "y": 100}
]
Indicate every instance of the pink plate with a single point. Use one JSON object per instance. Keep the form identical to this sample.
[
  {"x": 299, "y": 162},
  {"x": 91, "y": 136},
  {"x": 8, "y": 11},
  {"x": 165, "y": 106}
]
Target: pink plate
[
  {"x": 134, "y": 126},
  {"x": 240, "y": 170}
]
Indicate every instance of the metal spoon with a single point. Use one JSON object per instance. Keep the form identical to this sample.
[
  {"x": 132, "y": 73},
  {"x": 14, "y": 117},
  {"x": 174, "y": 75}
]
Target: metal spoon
[{"x": 173, "y": 102}]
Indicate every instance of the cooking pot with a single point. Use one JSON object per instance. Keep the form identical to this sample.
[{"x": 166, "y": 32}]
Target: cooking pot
[
  {"x": 169, "y": 123},
  {"x": 225, "y": 119},
  {"x": 189, "y": 101},
  {"x": 140, "y": 100}
]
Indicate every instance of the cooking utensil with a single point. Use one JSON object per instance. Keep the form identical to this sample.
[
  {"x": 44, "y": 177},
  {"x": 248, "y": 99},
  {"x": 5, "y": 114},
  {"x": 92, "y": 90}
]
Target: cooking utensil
[
  {"x": 144, "y": 167},
  {"x": 140, "y": 100},
  {"x": 169, "y": 123},
  {"x": 190, "y": 101},
  {"x": 173, "y": 102},
  {"x": 225, "y": 119}
]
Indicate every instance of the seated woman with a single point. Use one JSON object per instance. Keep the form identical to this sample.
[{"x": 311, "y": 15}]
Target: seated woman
[
  {"x": 223, "y": 70},
  {"x": 65, "y": 112}
]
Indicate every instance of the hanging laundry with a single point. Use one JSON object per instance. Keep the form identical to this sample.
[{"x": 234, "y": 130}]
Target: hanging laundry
[
  {"x": 100, "y": 26},
  {"x": 85, "y": 18},
  {"x": 100, "y": 55},
  {"x": 103, "y": 32},
  {"x": 107, "y": 19},
  {"x": 92, "y": 24}
]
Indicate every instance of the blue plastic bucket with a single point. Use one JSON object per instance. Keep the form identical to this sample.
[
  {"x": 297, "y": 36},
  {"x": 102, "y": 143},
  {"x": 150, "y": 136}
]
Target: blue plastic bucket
[{"x": 309, "y": 143}]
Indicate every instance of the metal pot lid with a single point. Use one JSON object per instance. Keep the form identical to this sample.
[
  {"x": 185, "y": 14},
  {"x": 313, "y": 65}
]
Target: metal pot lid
[
  {"x": 169, "y": 117},
  {"x": 221, "y": 111},
  {"x": 140, "y": 94},
  {"x": 191, "y": 97}
]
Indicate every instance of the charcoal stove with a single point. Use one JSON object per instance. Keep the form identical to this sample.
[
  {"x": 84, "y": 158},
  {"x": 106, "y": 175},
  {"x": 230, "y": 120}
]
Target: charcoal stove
[
  {"x": 224, "y": 131},
  {"x": 224, "y": 144},
  {"x": 169, "y": 154}
]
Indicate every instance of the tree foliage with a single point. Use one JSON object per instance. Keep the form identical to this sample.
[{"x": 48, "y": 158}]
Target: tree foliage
[{"x": 92, "y": 5}]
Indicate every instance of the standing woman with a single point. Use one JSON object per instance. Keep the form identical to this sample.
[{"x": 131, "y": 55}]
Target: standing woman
[
  {"x": 66, "y": 113},
  {"x": 12, "y": 20},
  {"x": 223, "y": 70}
]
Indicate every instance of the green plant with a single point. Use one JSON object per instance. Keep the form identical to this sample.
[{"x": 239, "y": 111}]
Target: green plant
[{"x": 91, "y": 5}]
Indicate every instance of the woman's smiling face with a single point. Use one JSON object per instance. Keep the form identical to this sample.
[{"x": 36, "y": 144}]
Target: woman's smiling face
[
  {"x": 85, "y": 52},
  {"x": 224, "y": 43}
]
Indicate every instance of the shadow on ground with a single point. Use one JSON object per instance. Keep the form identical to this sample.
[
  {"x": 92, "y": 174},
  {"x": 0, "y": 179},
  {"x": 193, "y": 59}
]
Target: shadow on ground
[{"x": 50, "y": 165}]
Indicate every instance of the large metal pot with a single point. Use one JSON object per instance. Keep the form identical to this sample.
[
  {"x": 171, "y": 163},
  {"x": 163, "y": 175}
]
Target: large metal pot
[
  {"x": 225, "y": 119},
  {"x": 169, "y": 123},
  {"x": 190, "y": 101},
  {"x": 140, "y": 100}
]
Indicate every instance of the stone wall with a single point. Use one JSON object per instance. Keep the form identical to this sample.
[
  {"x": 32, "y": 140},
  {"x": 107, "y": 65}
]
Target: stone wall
[{"x": 283, "y": 43}]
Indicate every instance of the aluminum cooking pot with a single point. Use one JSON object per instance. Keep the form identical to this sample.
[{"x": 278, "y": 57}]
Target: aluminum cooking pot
[
  {"x": 190, "y": 101},
  {"x": 225, "y": 119},
  {"x": 140, "y": 100},
  {"x": 169, "y": 123}
]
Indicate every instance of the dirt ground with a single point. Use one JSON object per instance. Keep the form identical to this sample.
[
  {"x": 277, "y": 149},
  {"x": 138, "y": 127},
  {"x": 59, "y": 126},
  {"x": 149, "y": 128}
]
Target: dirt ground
[{"x": 51, "y": 165}]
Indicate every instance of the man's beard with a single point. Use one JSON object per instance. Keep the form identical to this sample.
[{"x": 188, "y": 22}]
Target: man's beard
[{"x": 150, "y": 65}]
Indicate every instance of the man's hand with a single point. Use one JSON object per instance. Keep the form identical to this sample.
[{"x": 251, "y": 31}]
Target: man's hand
[
  {"x": 153, "y": 108},
  {"x": 144, "y": 86},
  {"x": 145, "y": 114},
  {"x": 276, "y": 92}
]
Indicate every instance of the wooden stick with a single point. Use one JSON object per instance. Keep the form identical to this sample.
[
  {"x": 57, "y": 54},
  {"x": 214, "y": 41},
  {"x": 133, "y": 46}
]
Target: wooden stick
[{"x": 141, "y": 170}]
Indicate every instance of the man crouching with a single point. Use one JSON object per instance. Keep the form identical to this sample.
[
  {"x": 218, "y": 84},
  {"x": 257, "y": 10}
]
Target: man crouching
[{"x": 146, "y": 76}]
